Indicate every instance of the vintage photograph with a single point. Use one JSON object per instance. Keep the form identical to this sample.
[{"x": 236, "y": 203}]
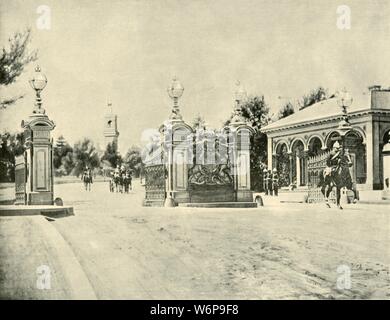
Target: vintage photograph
[{"x": 194, "y": 150}]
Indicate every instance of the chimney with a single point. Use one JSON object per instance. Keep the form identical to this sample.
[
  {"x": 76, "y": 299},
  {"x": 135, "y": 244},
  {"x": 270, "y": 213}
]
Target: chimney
[
  {"x": 375, "y": 87},
  {"x": 380, "y": 98}
]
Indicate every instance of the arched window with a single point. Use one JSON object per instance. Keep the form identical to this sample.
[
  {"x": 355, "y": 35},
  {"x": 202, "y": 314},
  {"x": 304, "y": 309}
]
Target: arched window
[
  {"x": 283, "y": 165},
  {"x": 314, "y": 146}
]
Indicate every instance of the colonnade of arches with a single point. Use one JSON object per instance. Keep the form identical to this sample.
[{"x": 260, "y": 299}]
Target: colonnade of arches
[{"x": 291, "y": 159}]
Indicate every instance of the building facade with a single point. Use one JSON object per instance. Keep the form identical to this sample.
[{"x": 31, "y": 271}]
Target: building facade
[{"x": 308, "y": 132}]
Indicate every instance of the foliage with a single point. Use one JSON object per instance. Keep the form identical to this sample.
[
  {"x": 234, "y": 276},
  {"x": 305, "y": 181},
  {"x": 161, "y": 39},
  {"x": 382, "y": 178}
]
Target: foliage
[
  {"x": 133, "y": 160},
  {"x": 62, "y": 157},
  {"x": 11, "y": 145},
  {"x": 286, "y": 110},
  {"x": 84, "y": 154},
  {"x": 313, "y": 97},
  {"x": 256, "y": 112},
  {"x": 112, "y": 155},
  {"x": 13, "y": 60}
]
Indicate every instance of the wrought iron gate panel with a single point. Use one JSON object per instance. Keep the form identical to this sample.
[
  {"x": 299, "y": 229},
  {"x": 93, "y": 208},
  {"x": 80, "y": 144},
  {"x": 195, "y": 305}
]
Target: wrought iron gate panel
[
  {"x": 20, "y": 180},
  {"x": 155, "y": 182},
  {"x": 315, "y": 168}
]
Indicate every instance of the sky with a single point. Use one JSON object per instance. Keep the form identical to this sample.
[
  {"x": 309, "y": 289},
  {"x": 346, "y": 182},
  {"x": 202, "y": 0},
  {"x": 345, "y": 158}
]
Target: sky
[{"x": 128, "y": 52}]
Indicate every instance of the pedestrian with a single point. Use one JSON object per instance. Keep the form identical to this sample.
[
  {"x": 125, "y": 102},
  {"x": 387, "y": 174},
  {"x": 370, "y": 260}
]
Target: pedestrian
[{"x": 275, "y": 181}]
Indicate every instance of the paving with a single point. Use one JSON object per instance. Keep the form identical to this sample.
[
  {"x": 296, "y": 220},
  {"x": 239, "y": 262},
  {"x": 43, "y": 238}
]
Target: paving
[{"x": 278, "y": 251}]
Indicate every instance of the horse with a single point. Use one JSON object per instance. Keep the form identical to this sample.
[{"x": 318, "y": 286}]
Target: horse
[
  {"x": 118, "y": 182},
  {"x": 339, "y": 178},
  {"x": 111, "y": 184},
  {"x": 87, "y": 179},
  {"x": 126, "y": 178}
]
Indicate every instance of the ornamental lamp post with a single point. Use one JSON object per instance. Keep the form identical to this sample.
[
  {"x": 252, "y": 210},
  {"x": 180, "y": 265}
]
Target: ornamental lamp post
[
  {"x": 175, "y": 91},
  {"x": 344, "y": 101},
  {"x": 36, "y": 164},
  {"x": 38, "y": 83}
]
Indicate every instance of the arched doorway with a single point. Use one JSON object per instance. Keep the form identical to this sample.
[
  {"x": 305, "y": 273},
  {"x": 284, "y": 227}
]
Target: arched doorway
[
  {"x": 385, "y": 140},
  {"x": 357, "y": 150},
  {"x": 332, "y": 139},
  {"x": 299, "y": 163},
  {"x": 283, "y": 165},
  {"x": 314, "y": 147}
]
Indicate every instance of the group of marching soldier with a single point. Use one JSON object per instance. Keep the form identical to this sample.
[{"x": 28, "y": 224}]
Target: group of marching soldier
[
  {"x": 270, "y": 182},
  {"x": 121, "y": 180}
]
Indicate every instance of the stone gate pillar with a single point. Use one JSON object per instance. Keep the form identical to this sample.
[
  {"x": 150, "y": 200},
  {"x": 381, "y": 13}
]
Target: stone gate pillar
[
  {"x": 177, "y": 141},
  {"x": 240, "y": 135},
  {"x": 38, "y": 149},
  {"x": 39, "y": 158}
]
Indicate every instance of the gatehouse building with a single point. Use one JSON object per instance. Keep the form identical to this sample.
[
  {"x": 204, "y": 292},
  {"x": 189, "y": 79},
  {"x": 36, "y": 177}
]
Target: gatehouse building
[{"x": 311, "y": 131}]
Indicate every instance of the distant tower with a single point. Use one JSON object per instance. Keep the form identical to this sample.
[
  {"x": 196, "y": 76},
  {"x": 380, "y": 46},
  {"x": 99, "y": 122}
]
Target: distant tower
[{"x": 110, "y": 127}]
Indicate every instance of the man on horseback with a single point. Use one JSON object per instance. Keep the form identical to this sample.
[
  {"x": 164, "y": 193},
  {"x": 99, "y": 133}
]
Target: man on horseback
[
  {"x": 337, "y": 173},
  {"x": 86, "y": 177},
  {"x": 333, "y": 160}
]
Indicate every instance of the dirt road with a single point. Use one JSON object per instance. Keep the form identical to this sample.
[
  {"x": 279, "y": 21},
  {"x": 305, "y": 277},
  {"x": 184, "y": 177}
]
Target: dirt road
[{"x": 289, "y": 251}]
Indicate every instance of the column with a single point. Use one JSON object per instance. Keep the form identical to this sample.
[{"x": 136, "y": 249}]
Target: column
[
  {"x": 306, "y": 157},
  {"x": 377, "y": 183},
  {"x": 369, "y": 156},
  {"x": 290, "y": 156},
  {"x": 269, "y": 152}
]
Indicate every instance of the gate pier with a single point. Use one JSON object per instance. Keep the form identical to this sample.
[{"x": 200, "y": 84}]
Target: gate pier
[{"x": 199, "y": 167}]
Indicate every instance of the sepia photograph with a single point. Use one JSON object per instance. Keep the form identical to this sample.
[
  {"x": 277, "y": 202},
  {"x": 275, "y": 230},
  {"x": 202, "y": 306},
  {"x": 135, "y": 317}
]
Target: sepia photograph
[{"x": 194, "y": 150}]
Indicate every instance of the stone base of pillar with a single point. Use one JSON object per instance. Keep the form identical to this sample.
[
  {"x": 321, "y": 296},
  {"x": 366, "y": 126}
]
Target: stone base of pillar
[
  {"x": 40, "y": 198},
  {"x": 244, "y": 196},
  {"x": 181, "y": 196},
  {"x": 386, "y": 195}
]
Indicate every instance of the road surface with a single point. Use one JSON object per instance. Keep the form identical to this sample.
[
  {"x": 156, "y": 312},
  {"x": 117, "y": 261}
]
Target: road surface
[{"x": 287, "y": 251}]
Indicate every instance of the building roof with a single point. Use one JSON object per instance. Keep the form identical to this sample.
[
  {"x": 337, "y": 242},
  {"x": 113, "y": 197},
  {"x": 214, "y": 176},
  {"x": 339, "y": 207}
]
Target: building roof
[{"x": 322, "y": 110}]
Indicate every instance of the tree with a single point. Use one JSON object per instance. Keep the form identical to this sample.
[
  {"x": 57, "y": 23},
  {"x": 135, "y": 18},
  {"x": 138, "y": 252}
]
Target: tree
[
  {"x": 256, "y": 111},
  {"x": 133, "y": 160},
  {"x": 313, "y": 97},
  {"x": 112, "y": 155},
  {"x": 11, "y": 145},
  {"x": 84, "y": 154},
  {"x": 13, "y": 59},
  {"x": 286, "y": 110},
  {"x": 61, "y": 149}
]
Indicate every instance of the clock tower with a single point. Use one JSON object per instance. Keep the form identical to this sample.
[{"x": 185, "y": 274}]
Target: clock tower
[{"x": 111, "y": 132}]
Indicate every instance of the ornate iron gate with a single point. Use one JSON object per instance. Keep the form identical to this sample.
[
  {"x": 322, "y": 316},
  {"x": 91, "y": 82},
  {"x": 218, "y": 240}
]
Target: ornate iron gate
[
  {"x": 316, "y": 166},
  {"x": 155, "y": 185},
  {"x": 20, "y": 180}
]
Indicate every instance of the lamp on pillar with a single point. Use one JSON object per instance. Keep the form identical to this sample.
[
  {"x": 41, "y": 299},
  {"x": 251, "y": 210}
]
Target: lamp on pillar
[
  {"x": 344, "y": 100},
  {"x": 38, "y": 83},
  {"x": 175, "y": 91},
  {"x": 239, "y": 95},
  {"x": 37, "y": 158}
]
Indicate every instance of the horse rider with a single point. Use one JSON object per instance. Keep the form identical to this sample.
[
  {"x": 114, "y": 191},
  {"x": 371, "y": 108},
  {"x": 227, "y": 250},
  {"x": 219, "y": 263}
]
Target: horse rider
[
  {"x": 86, "y": 177},
  {"x": 129, "y": 179},
  {"x": 275, "y": 181},
  {"x": 333, "y": 160},
  {"x": 87, "y": 173}
]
